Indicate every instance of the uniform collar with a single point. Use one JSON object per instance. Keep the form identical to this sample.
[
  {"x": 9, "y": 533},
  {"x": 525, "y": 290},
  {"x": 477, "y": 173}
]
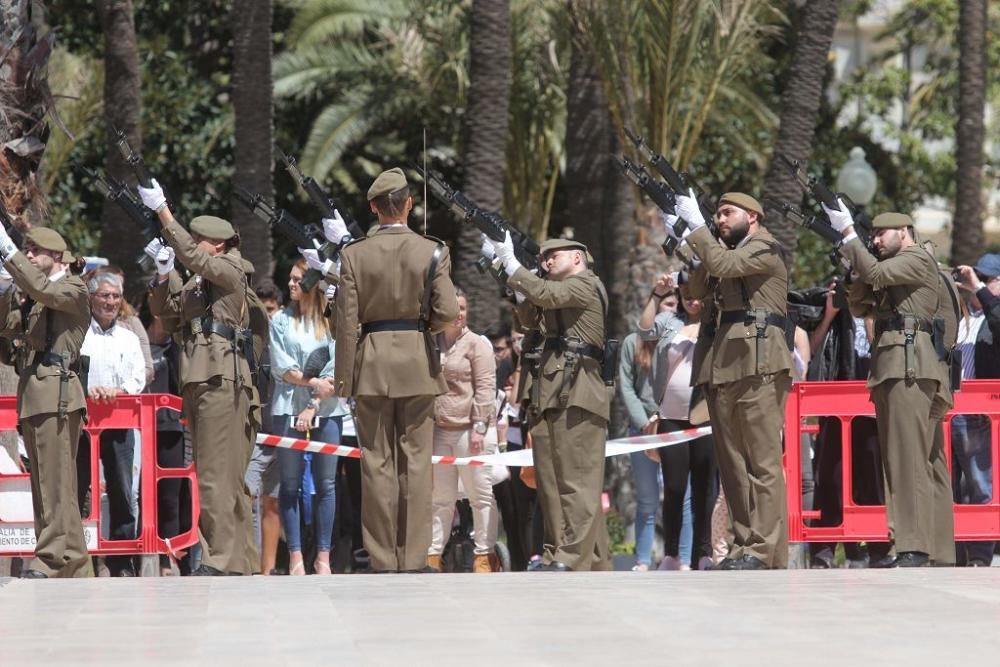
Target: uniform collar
[{"x": 56, "y": 276}]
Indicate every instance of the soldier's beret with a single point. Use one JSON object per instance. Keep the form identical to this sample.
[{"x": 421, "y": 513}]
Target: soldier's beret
[
  {"x": 561, "y": 244},
  {"x": 212, "y": 227},
  {"x": 744, "y": 201},
  {"x": 892, "y": 221},
  {"x": 46, "y": 239},
  {"x": 68, "y": 257},
  {"x": 388, "y": 181}
]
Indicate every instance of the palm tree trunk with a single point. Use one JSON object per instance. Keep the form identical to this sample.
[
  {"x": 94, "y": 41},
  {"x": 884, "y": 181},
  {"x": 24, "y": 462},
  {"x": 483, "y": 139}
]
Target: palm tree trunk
[
  {"x": 254, "y": 110},
  {"x": 967, "y": 230},
  {"x": 485, "y": 147},
  {"x": 800, "y": 102},
  {"x": 121, "y": 241}
]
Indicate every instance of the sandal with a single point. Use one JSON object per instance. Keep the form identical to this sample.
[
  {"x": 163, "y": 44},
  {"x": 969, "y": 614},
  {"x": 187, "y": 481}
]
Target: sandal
[
  {"x": 320, "y": 567},
  {"x": 297, "y": 570}
]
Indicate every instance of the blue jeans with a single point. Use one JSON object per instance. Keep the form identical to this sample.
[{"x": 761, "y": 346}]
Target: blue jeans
[
  {"x": 687, "y": 528},
  {"x": 646, "y": 477},
  {"x": 291, "y": 465},
  {"x": 972, "y": 470}
]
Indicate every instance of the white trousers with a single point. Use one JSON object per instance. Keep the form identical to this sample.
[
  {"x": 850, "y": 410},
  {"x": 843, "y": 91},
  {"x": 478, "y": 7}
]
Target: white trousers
[{"x": 477, "y": 481}]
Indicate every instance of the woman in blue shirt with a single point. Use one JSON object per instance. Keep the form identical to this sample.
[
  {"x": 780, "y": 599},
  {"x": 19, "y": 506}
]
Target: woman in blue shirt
[{"x": 303, "y": 405}]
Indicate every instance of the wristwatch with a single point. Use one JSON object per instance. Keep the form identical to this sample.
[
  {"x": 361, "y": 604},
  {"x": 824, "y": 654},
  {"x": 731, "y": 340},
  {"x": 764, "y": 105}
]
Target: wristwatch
[{"x": 479, "y": 427}]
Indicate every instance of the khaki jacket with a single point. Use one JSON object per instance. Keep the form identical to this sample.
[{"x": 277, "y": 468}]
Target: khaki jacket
[
  {"x": 577, "y": 302},
  {"x": 758, "y": 268},
  {"x": 907, "y": 283},
  {"x": 382, "y": 278},
  {"x": 65, "y": 304},
  {"x": 218, "y": 289}
]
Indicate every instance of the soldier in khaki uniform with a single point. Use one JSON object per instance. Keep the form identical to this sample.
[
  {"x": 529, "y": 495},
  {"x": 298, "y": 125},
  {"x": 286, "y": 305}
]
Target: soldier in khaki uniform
[
  {"x": 50, "y": 324},
  {"x": 902, "y": 289},
  {"x": 386, "y": 313},
  {"x": 210, "y": 313},
  {"x": 572, "y": 398},
  {"x": 749, "y": 370}
]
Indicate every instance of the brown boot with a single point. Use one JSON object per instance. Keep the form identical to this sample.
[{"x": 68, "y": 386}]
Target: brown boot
[
  {"x": 495, "y": 563},
  {"x": 481, "y": 564},
  {"x": 434, "y": 561}
]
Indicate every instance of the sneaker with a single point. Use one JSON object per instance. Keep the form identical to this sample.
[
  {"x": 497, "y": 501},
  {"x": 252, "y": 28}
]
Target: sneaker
[
  {"x": 670, "y": 563},
  {"x": 640, "y": 567},
  {"x": 705, "y": 563}
]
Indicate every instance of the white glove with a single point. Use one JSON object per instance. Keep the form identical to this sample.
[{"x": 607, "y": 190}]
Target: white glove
[
  {"x": 314, "y": 262},
  {"x": 487, "y": 249},
  {"x": 153, "y": 248},
  {"x": 152, "y": 197},
  {"x": 335, "y": 229},
  {"x": 164, "y": 260},
  {"x": 331, "y": 292},
  {"x": 7, "y": 247},
  {"x": 6, "y": 280},
  {"x": 669, "y": 220},
  {"x": 839, "y": 220},
  {"x": 688, "y": 209},
  {"x": 505, "y": 253}
]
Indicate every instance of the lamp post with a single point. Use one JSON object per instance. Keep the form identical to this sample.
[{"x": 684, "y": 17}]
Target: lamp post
[{"x": 857, "y": 179}]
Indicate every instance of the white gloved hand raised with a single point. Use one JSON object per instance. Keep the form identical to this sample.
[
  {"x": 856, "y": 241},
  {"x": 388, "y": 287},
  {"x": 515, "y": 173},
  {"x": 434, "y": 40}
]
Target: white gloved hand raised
[
  {"x": 153, "y": 197},
  {"x": 153, "y": 248},
  {"x": 331, "y": 292},
  {"x": 505, "y": 253},
  {"x": 6, "y": 280},
  {"x": 669, "y": 220},
  {"x": 313, "y": 260},
  {"x": 839, "y": 220},
  {"x": 7, "y": 246},
  {"x": 335, "y": 229},
  {"x": 164, "y": 260},
  {"x": 689, "y": 210}
]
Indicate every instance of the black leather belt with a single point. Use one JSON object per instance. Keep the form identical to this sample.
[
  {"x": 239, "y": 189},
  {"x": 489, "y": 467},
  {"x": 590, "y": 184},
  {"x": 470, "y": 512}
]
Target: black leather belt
[
  {"x": 748, "y": 318},
  {"x": 392, "y": 325},
  {"x": 585, "y": 349},
  {"x": 898, "y": 324},
  {"x": 208, "y": 325}
]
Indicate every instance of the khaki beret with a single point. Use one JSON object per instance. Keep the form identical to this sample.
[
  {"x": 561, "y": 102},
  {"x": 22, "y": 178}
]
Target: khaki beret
[
  {"x": 892, "y": 221},
  {"x": 561, "y": 244},
  {"x": 46, "y": 239},
  {"x": 388, "y": 181},
  {"x": 68, "y": 257},
  {"x": 211, "y": 227},
  {"x": 744, "y": 201}
]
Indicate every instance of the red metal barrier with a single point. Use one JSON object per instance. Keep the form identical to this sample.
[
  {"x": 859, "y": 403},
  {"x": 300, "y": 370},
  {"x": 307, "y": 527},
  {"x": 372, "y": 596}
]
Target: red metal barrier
[
  {"x": 126, "y": 412},
  {"x": 846, "y": 400}
]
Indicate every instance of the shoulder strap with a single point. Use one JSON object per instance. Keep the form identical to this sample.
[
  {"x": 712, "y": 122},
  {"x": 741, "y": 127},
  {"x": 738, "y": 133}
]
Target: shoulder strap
[{"x": 425, "y": 304}]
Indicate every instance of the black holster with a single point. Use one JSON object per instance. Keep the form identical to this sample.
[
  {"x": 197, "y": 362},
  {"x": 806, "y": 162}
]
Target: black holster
[{"x": 609, "y": 362}]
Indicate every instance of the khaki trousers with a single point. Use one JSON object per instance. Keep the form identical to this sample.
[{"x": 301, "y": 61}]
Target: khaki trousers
[
  {"x": 943, "y": 534},
  {"x": 570, "y": 466},
  {"x": 546, "y": 488},
  {"x": 748, "y": 420},
  {"x": 51, "y": 443},
  {"x": 222, "y": 438},
  {"x": 396, "y": 437},
  {"x": 906, "y": 435}
]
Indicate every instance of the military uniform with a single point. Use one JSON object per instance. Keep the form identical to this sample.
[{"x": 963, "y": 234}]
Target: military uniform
[
  {"x": 574, "y": 404},
  {"x": 210, "y": 315},
  {"x": 386, "y": 361},
  {"x": 907, "y": 376},
  {"x": 50, "y": 325},
  {"x": 749, "y": 371}
]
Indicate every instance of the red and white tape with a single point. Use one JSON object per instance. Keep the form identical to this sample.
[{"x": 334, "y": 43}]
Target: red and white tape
[{"x": 521, "y": 457}]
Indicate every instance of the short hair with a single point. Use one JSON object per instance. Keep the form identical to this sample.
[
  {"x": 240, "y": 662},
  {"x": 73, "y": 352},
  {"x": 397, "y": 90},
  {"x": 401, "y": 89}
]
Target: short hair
[
  {"x": 106, "y": 278},
  {"x": 267, "y": 290},
  {"x": 391, "y": 203},
  {"x": 497, "y": 330}
]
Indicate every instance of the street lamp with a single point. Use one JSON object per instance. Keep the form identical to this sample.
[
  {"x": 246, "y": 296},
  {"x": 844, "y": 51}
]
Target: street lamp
[{"x": 857, "y": 179}]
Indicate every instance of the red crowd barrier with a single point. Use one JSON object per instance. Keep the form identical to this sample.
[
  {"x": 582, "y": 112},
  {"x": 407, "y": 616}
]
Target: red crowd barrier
[
  {"x": 17, "y": 536},
  {"x": 846, "y": 400}
]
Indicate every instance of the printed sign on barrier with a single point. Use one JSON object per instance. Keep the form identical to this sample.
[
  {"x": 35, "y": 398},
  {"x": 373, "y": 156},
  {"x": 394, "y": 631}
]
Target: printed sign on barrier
[{"x": 19, "y": 537}]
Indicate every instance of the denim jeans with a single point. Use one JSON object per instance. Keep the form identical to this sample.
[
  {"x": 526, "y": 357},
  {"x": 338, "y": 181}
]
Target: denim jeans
[
  {"x": 972, "y": 470},
  {"x": 291, "y": 465},
  {"x": 646, "y": 477}
]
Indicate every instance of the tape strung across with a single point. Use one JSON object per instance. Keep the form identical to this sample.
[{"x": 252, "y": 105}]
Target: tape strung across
[{"x": 521, "y": 457}]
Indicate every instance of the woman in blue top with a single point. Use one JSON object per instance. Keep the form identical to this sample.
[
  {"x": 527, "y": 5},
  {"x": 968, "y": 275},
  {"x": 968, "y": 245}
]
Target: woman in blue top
[{"x": 303, "y": 405}]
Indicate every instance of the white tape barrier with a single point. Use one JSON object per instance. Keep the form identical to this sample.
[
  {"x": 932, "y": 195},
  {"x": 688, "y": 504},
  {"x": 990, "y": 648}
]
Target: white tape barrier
[{"x": 521, "y": 457}]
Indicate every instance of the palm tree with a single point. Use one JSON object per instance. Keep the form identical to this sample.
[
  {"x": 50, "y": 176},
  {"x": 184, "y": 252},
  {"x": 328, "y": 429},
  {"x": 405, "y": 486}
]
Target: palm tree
[
  {"x": 967, "y": 231},
  {"x": 254, "y": 116},
  {"x": 122, "y": 110},
  {"x": 800, "y": 102},
  {"x": 485, "y": 142}
]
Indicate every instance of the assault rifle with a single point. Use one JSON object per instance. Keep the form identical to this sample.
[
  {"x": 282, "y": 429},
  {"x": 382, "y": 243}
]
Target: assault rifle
[
  {"x": 321, "y": 199},
  {"x": 490, "y": 223},
  {"x": 116, "y": 191},
  {"x": 823, "y": 194},
  {"x": 132, "y": 159},
  {"x": 303, "y": 236},
  {"x": 662, "y": 196}
]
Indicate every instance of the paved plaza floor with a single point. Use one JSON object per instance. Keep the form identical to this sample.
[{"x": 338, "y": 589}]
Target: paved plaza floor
[{"x": 802, "y": 617}]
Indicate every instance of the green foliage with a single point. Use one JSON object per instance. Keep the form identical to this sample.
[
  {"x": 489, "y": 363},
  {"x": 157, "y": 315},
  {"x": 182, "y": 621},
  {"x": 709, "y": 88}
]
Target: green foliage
[{"x": 616, "y": 534}]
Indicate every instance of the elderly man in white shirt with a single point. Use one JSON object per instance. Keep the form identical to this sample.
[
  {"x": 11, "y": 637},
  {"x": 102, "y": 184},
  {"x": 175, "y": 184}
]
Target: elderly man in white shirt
[{"x": 117, "y": 367}]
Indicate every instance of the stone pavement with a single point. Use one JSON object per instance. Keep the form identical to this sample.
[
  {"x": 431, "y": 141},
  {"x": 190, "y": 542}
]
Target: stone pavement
[{"x": 803, "y": 617}]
